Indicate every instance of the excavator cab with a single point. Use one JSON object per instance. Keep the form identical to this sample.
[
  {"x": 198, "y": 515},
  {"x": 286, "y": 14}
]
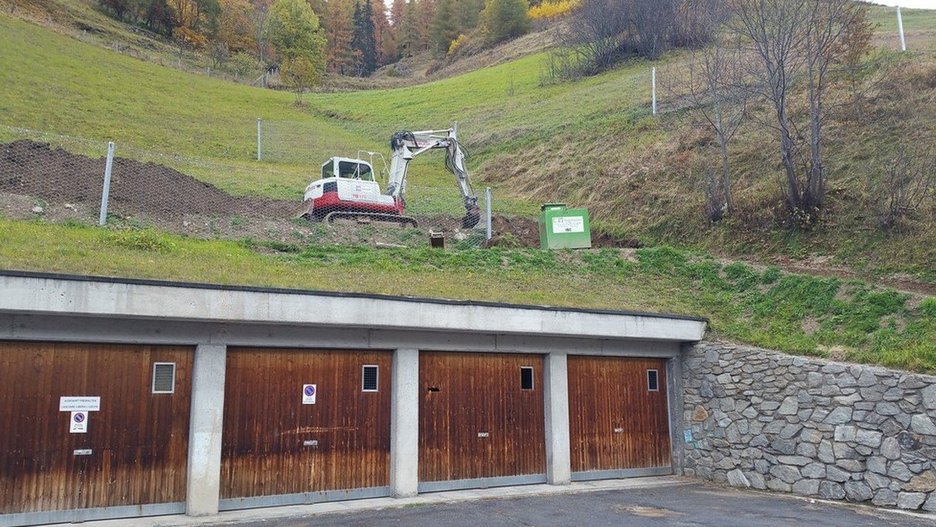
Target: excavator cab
[{"x": 347, "y": 168}]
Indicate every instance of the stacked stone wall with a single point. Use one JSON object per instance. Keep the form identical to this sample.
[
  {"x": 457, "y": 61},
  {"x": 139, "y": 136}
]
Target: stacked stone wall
[{"x": 761, "y": 419}]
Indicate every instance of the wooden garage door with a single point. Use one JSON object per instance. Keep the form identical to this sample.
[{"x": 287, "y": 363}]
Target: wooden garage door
[
  {"x": 475, "y": 418},
  {"x": 616, "y": 420},
  {"x": 273, "y": 444},
  {"x": 135, "y": 448}
]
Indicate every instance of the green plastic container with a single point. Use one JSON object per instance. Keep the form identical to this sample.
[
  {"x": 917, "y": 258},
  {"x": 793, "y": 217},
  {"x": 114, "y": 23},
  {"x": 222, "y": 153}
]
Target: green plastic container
[{"x": 563, "y": 228}]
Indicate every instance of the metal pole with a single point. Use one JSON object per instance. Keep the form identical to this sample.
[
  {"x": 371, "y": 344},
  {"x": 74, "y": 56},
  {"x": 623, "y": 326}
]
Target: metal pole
[
  {"x": 487, "y": 196},
  {"x": 107, "y": 181},
  {"x": 903, "y": 43},
  {"x": 653, "y": 89},
  {"x": 259, "y": 139}
]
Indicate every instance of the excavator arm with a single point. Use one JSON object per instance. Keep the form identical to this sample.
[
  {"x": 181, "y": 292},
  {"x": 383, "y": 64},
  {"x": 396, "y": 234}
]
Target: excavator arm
[{"x": 405, "y": 146}]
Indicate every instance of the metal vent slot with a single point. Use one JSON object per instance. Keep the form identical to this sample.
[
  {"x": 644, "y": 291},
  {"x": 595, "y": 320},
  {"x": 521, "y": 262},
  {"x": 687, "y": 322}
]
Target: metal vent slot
[
  {"x": 526, "y": 377},
  {"x": 164, "y": 377},
  {"x": 653, "y": 381},
  {"x": 369, "y": 378}
]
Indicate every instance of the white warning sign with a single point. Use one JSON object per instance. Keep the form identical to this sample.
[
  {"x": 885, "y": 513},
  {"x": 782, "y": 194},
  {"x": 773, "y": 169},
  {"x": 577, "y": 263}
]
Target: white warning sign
[
  {"x": 569, "y": 224},
  {"x": 79, "y": 404},
  {"x": 78, "y": 423},
  {"x": 308, "y": 393}
]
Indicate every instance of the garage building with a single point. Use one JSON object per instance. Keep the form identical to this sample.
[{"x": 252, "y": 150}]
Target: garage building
[{"x": 125, "y": 398}]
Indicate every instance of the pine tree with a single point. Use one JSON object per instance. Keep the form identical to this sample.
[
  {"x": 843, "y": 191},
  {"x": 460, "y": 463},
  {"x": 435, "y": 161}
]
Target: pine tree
[
  {"x": 505, "y": 19},
  {"x": 408, "y": 33},
  {"x": 468, "y": 14},
  {"x": 425, "y": 13},
  {"x": 444, "y": 28},
  {"x": 363, "y": 43}
]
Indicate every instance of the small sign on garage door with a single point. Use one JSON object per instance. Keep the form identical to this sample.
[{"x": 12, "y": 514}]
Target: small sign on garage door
[{"x": 308, "y": 393}]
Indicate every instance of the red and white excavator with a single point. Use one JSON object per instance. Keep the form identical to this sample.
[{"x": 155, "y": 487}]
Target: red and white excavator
[{"x": 348, "y": 188}]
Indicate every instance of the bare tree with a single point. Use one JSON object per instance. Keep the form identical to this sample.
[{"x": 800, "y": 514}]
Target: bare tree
[
  {"x": 718, "y": 94},
  {"x": 797, "y": 40},
  {"x": 909, "y": 181},
  {"x": 601, "y": 33}
]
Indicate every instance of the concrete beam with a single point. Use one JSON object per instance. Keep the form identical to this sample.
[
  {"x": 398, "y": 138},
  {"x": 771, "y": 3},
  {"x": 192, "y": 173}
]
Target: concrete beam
[
  {"x": 148, "y": 331},
  {"x": 205, "y": 427},
  {"x": 556, "y": 392},
  {"x": 404, "y": 423},
  {"x": 98, "y": 297}
]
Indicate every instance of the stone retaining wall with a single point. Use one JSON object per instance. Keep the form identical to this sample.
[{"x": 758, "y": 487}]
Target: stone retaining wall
[{"x": 766, "y": 420}]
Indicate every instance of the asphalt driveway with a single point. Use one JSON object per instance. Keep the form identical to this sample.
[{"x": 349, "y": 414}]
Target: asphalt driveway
[{"x": 695, "y": 504}]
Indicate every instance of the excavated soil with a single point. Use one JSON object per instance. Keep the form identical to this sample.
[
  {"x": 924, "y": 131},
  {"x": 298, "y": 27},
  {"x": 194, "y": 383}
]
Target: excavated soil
[{"x": 39, "y": 181}]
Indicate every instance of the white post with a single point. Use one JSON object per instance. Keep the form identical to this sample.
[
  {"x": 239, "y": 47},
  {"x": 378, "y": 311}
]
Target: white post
[
  {"x": 653, "y": 88},
  {"x": 903, "y": 43},
  {"x": 259, "y": 139},
  {"x": 404, "y": 423},
  {"x": 487, "y": 196},
  {"x": 105, "y": 193},
  {"x": 205, "y": 428}
]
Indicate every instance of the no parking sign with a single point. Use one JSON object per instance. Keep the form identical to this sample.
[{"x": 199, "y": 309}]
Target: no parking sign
[
  {"x": 308, "y": 393},
  {"x": 79, "y": 423}
]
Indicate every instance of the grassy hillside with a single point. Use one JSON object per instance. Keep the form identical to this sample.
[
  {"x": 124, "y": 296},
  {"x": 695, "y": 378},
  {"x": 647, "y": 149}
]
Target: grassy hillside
[
  {"x": 844, "y": 320},
  {"x": 590, "y": 142}
]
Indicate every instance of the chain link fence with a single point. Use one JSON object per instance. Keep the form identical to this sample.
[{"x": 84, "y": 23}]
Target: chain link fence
[{"x": 60, "y": 179}]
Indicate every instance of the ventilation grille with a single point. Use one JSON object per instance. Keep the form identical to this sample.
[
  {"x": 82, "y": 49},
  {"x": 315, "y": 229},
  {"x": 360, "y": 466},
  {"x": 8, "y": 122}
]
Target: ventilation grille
[
  {"x": 653, "y": 381},
  {"x": 369, "y": 378},
  {"x": 526, "y": 377},
  {"x": 163, "y": 377}
]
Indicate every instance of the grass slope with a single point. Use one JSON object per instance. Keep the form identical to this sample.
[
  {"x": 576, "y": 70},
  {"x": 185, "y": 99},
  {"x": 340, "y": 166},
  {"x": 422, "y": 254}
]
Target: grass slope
[{"x": 797, "y": 313}]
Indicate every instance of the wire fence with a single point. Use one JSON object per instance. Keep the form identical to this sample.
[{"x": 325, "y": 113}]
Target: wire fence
[{"x": 60, "y": 179}]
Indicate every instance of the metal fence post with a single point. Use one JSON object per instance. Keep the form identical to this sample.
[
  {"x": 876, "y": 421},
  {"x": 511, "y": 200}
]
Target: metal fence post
[
  {"x": 487, "y": 196},
  {"x": 653, "y": 88},
  {"x": 105, "y": 193},
  {"x": 903, "y": 43},
  {"x": 259, "y": 139}
]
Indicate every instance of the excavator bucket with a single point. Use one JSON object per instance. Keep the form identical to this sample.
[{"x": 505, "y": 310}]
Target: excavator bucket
[{"x": 472, "y": 216}]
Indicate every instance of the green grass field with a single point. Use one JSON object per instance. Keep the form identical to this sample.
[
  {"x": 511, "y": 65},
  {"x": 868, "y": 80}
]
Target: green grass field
[{"x": 802, "y": 314}]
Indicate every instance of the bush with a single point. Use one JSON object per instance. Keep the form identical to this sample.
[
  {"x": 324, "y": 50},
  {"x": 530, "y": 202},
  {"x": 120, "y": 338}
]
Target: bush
[{"x": 553, "y": 9}]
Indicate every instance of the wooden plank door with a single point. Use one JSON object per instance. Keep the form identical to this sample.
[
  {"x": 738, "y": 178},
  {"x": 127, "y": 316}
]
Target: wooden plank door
[
  {"x": 135, "y": 448},
  {"x": 475, "y": 418},
  {"x": 274, "y": 444},
  {"x": 617, "y": 420}
]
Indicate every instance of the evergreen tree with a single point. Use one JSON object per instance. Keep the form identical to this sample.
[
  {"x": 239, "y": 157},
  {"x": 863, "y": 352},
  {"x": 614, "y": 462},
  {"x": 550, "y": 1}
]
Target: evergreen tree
[
  {"x": 444, "y": 28},
  {"x": 505, "y": 19},
  {"x": 468, "y": 14},
  {"x": 408, "y": 33},
  {"x": 363, "y": 42}
]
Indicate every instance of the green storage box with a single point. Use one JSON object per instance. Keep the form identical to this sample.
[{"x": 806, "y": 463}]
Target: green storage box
[{"x": 563, "y": 228}]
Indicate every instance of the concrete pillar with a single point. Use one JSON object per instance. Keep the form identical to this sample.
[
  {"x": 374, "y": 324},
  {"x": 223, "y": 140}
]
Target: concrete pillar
[
  {"x": 404, "y": 423},
  {"x": 204, "y": 458},
  {"x": 674, "y": 403},
  {"x": 558, "y": 453}
]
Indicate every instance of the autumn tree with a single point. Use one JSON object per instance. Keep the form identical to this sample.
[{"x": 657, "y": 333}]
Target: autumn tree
[
  {"x": 339, "y": 26},
  {"x": 298, "y": 39},
  {"x": 505, "y": 19},
  {"x": 396, "y": 12},
  {"x": 383, "y": 34}
]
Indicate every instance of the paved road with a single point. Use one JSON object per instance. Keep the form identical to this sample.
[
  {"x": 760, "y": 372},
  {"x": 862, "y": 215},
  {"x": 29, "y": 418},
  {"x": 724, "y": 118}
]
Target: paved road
[{"x": 684, "y": 505}]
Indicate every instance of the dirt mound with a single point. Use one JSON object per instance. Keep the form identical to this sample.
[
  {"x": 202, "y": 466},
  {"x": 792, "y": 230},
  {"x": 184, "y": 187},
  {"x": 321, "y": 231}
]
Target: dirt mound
[{"x": 137, "y": 189}]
